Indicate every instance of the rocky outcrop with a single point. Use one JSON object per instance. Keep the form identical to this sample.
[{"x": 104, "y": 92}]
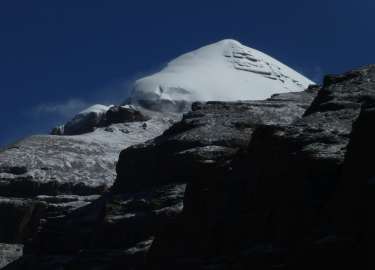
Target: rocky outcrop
[
  {"x": 113, "y": 231},
  {"x": 123, "y": 114},
  {"x": 46, "y": 177},
  {"x": 276, "y": 199},
  {"x": 9, "y": 253},
  {"x": 148, "y": 197},
  {"x": 100, "y": 116},
  {"x": 283, "y": 183},
  {"x": 19, "y": 219},
  {"x": 80, "y": 165},
  {"x": 353, "y": 207},
  {"x": 208, "y": 136},
  {"x": 86, "y": 121}
]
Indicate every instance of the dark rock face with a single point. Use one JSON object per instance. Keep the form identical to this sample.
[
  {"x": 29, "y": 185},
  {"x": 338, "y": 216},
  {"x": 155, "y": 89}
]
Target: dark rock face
[
  {"x": 44, "y": 178},
  {"x": 149, "y": 195},
  {"x": 82, "y": 124},
  {"x": 274, "y": 200},
  {"x": 353, "y": 208},
  {"x": 85, "y": 123},
  {"x": 121, "y": 114},
  {"x": 284, "y": 183},
  {"x": 78, "y": 165},
  {"x": 19, "y": 219},
  {"x": 209, "y": 136},
  {"x": 114, "y": 231}
]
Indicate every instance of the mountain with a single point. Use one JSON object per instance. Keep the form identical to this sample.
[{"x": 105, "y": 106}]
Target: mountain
[
  {"x": 223, "y": 71},
  {"x": 48, "y": 182},
  {"x": 282, "y": 183}
]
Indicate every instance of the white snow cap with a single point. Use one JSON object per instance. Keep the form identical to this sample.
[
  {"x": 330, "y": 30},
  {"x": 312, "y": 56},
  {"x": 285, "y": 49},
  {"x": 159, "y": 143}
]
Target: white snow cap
[
  {"x": 97, "y": 108},
  {"x": 223, "y": 71}
]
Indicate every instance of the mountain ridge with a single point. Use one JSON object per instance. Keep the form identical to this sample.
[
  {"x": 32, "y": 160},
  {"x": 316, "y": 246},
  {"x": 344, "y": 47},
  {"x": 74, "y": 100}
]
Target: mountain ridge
[
  {"x": 202, "y": 75},
  {"x": 280, "y": 183},
  {"x": 46, "y": 180}
]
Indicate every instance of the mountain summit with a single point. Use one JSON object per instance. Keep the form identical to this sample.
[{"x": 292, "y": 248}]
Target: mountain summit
[{"x": 223, "y": 71}]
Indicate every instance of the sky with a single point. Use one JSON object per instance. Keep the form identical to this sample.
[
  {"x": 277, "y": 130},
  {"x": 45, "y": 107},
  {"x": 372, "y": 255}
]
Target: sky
[{"x": 58, "y": 57}]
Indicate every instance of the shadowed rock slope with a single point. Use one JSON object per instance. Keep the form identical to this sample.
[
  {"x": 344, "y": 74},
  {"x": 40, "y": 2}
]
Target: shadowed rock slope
[
  {"x": 276, "y": 206},
  {"x": 284, "y": 183},
  {"x": 151, "y": 179},
  {"x": 49, "y": 176}
]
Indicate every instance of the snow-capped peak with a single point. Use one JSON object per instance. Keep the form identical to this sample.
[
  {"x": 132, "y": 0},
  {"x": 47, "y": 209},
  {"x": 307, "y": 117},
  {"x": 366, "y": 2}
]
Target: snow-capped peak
[{"x": 223, "y": 71}]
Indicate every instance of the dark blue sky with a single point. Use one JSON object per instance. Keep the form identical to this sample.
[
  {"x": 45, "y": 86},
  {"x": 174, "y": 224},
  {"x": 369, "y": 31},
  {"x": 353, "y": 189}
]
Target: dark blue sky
[{"x": 56, "y": 57}]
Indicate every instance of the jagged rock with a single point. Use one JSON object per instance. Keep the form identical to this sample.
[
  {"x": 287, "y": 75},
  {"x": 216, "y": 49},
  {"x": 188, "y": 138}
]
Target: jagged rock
[
  {"x": 59, "y": 130},
  {"x": 277, "y": 193},
  {"x": 207, "y": 138},
  {"x": 354, "y": 205},
  {"x": 80, "y": 165},
  {"x": 20, "y": 219},
  {"x": 212, "y": 131},
  {"x": 100, "y": 116},
  {"x": 113, "y": 231},
  {"x": 77, "y": 229},
  {"x": 86, "y": 121},
  {"x": 308, "y": 155},
  {"x": 264, "y": 189},
  {"x": 9, "y": 253},
  {"x": 123, "y": 114},
  {"x": 62, "y": 174}
]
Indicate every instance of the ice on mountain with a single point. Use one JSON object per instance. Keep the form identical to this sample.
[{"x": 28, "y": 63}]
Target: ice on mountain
[{"x": 223, "y": 71}]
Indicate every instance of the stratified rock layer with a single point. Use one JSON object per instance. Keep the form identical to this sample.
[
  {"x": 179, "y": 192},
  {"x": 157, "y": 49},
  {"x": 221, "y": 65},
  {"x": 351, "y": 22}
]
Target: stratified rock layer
[
  {"x": 47, "y": 177},
  {"x": 79, "y": 165},
  {"x": 149, "y": 193},
  {"x": 284, "y": 183},
  {"x": 208, "y": 136},
  {"x": 276, "y": 198}
]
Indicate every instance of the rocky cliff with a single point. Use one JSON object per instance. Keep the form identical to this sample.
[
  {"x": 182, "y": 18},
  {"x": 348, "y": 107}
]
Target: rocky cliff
[
  {"x": 48, "y": 176},
  {"x": 283, "y": 183}
]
